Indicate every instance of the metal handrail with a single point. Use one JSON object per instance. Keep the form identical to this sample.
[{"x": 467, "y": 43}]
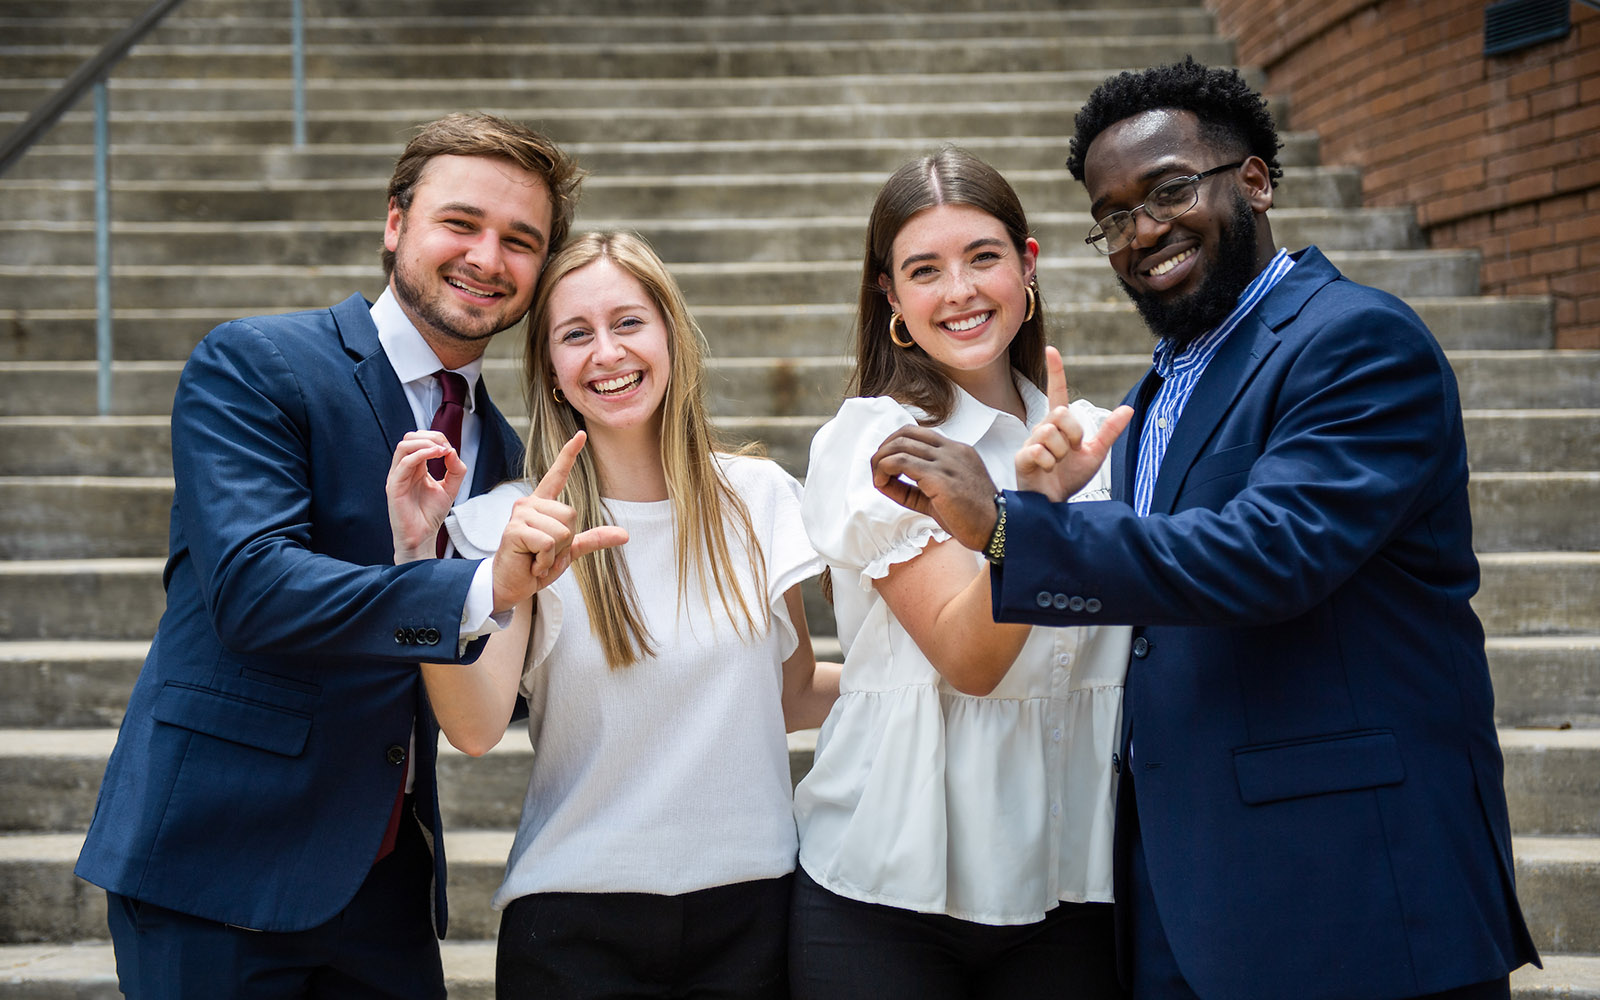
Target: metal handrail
[
  {"x": 92, "y": 76},
  {"x": 91, "y": 72}
]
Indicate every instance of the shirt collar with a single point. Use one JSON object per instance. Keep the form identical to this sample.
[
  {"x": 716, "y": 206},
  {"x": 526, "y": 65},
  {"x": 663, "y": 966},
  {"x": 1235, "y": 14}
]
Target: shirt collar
[
  {"x": 409, "y": 355},
  {"x": 1168, "y": 358},
  {"x": 970, "y": 419}
]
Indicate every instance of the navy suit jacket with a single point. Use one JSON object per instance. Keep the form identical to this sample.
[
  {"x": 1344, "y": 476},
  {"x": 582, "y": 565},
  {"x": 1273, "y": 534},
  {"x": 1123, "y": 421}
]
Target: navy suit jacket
[
  {"x": 1318, "y": 779},
  {"x": 265, "y": 740}
]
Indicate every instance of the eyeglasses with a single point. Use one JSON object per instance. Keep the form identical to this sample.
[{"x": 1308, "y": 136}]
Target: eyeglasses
[{"x": 1168, "y": 201}]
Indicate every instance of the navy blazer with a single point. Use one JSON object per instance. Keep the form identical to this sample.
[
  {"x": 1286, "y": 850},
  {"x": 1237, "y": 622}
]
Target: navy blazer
[
  {"x": 1318, "y": 779},
  {"x": 267, "y": 733}
]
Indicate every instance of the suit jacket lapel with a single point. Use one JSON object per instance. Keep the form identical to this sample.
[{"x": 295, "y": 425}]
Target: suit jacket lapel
[
  {"x": 498, "y": 446},
  {"x": 1125, "y": 452},
  {"x": 373, "y": 372},
  {"x": 1225, "y": 379}
]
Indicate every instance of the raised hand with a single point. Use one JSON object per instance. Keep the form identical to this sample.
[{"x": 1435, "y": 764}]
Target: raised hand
[
  {"x": 947, "y": 482},
  {"x": 1060, "y": 456},
  {"x": 539, "y": 544},
  {"x": 418, "y": 502}
]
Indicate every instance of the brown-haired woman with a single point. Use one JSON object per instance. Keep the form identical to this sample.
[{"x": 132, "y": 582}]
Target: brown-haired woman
[
  {"x": 955, "y": 829},
  {"x": 656, "y": 841}
]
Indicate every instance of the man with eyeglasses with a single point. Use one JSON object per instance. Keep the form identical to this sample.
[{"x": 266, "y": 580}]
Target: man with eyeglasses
[{"x": 1310, "y": 798}]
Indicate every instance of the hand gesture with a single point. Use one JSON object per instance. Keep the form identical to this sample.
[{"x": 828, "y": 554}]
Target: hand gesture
[
  {"x": 1059, "y": 458},
  {"x": 947, "y": 482},
  {"x": 418, "y": 502},
  {"x": 539, "y": 544}
]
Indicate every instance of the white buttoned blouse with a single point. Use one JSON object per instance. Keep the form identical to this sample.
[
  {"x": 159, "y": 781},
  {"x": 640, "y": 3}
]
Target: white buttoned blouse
[{"x": 990, "y": 809}]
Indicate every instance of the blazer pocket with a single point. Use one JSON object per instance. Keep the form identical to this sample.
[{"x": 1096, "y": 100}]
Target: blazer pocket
[
  {"x": 1339, "y": 763},
  {"x": 1227, "y": 462},
  {"x": 236, "y": 720}
]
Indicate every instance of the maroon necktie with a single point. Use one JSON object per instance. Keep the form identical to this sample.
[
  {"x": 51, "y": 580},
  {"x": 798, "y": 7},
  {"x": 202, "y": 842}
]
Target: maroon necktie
[{"x": 447, "y": 421}]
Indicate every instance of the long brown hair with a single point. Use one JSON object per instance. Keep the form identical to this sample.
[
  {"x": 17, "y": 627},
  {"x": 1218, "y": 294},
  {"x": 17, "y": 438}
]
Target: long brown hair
[
  {"x": 706, "y": 510},
  {"x": 952, "y": 176}
]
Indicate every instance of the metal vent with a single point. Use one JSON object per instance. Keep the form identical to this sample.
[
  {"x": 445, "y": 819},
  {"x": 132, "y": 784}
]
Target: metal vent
[{"x": 1516, "y": 24}]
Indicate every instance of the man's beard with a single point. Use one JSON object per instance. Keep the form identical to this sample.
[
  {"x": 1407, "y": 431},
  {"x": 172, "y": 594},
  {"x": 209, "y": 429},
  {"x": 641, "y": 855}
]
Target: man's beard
[
  {"x": 1233, "y": 266},
  {"x": 434, "y": 310}
]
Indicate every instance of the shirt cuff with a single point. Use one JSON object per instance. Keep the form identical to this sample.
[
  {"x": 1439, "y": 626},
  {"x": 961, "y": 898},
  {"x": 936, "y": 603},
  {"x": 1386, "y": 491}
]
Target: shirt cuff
[{"x": 477, "y": 617}]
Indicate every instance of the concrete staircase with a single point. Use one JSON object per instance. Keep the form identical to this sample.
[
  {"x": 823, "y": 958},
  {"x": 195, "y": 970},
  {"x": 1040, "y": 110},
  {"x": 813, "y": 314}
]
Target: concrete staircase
[{"x": 747, "y": 147}]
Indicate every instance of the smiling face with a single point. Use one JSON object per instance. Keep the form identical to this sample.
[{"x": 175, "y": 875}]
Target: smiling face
[
  {"x": 609, "y": 349},
  {"x": 1184, "y": 275},
  {"x": 468, "y": 251},
  {"x": 959, "y": 284}
]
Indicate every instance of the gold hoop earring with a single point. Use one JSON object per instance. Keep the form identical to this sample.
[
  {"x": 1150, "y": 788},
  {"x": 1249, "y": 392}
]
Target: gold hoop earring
[
  {"x": 1032, "y": 301},
  {"x": 894, "y": 319},
  {"x": 555, "y": 394}
]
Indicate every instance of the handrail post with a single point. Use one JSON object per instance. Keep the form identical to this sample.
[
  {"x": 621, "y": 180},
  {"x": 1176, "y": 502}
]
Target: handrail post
[
  {"x": 298, "y": 31},
  {"x": 102, "y": 244}
]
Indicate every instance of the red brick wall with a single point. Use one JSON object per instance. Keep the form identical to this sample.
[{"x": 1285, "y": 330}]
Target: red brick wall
[{"x": 1501, "y": 154}]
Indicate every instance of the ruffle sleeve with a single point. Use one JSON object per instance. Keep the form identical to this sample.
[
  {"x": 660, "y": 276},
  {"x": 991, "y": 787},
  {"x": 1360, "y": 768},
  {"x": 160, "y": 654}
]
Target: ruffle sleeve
[{"x": 849, "y": 522}]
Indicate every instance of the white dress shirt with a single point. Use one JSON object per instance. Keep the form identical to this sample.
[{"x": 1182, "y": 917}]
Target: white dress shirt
[{"x": 990, "y": 809}]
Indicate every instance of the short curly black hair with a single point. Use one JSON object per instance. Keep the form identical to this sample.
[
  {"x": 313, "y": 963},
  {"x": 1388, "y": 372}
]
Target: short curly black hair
[{"x": 1231, "y": 114}]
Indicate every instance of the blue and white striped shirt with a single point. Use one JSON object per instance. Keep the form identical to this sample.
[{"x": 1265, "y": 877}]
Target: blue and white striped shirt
[{"x": 1181, "y": 373}]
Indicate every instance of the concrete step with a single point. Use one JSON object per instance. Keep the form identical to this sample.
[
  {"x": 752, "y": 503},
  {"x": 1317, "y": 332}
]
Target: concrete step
[
  {"x": 260, "y": 289},
  {"x": 86, "y": 970},
  {"x": 1060, "y": 234},
  {"x": 1558, "y": 442},
  {"x": 60, "y": 517},
  {"x": 126, "y": 9},
  {"x": 1551, "y": 780},
  {"x": 332, "y": 95},
  {"x": 573, "y": 60},
  {"x": 52, "y": 776},
  {"x": 844, "y": 199},
  {"x": 1548, "y": 681},
  {"x": 1523, "y": 594},
  {"x": 1514, "y": 328},
  {"x": 780, "y": 386},
  {"x": 320, "y": 161},
  {"x": 71, "y": 684},
  {"x": 1558, "y": 881},
  {"x": 424, "y": 30}
]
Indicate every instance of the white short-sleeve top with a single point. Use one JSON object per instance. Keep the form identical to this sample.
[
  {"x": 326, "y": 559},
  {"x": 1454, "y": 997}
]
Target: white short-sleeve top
[
  {"x": 672, "y": 774},
  {"x": 990, "y": 809}
]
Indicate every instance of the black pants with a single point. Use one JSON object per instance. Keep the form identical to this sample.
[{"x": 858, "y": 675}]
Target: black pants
[
  {"x": 722, "y": 943},
  {"x": 844, "y": 948},
  {"x": 382, "y": 945}
]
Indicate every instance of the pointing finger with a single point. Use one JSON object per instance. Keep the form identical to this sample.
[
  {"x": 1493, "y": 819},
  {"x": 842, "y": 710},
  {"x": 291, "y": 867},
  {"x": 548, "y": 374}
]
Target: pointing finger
[
  {"x": 1056, "y": 379},
  {"x": 555, "y": 480}
]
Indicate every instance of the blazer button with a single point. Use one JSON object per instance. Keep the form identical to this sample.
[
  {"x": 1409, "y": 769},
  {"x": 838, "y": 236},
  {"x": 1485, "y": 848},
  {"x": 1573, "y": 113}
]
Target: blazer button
[
  {"x": 1076, "y": 604},
  {"x": 1116, "y": 763},
  {"x": 1043, "y": 600},
  {"x": 1092, "y": 605},
  {"x": 1060, "y": 602},
  {"x": 396, "y": 754},
  {"x": 1141, "y": 647},
  {"x": 430, "y": 636},
  {"x": 400, "y": 636}
]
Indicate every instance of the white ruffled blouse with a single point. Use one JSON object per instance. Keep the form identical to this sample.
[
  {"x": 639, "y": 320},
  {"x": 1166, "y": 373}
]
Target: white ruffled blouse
[
  {"x": 672, "y": 774},
  {"x": 990, "y": 809}
]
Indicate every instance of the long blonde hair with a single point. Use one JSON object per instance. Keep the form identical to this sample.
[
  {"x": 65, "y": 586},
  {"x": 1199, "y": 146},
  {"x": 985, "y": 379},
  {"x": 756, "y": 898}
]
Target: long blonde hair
[{"x": 705, "y": 508}]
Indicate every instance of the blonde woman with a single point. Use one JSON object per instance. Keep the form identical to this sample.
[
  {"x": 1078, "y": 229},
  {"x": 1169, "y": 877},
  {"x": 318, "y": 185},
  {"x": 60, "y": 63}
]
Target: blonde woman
[{"x": 656, "y": 844}]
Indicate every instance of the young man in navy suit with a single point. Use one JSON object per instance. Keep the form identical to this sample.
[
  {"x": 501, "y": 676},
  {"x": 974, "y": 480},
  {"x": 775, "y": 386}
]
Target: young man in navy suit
[
  {"x": 1310, "y": 797},
  {"x": 269, "y": 825}
]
